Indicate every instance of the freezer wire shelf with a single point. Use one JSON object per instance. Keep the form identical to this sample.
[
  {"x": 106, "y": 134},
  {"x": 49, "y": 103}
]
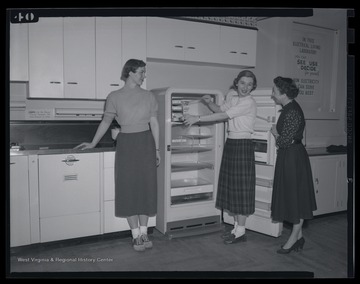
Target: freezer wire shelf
[{"x": 191, "y": 148}]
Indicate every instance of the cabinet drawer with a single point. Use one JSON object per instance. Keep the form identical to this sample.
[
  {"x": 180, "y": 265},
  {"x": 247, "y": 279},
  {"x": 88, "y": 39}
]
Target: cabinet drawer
[
  {"x": 67, "y": 227},
  {"x": 109, "y": 184},
  {"x": 67, "y": 188},
  {"x": 109, "y": 159}
]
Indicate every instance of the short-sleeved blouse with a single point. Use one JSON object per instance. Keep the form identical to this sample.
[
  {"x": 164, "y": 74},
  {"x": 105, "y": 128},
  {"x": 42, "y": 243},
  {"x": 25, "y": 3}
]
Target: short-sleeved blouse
[
  {"x": 242, "y": 114},
  {"x": 131, "y": 109},
  {"x": 290, "y": 125}
]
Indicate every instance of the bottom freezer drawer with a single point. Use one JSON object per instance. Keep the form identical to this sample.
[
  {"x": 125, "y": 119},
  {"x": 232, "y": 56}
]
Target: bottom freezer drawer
[{"x": 182, "y": 199}]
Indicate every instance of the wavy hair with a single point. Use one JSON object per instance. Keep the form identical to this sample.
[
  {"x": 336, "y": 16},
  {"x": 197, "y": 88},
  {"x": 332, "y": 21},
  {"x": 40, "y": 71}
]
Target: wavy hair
[{"x": 286, "y": 86}]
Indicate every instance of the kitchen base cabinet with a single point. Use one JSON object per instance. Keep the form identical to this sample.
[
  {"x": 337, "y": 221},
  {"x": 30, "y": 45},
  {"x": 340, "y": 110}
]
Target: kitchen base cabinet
[
  {"x": 19, "y": 201},
  {"x": 69, "y": 193},
  {"x": 111, "y": 223},
  {"x": 329, "y": 175},
  {"x": 70, "y": 226}
]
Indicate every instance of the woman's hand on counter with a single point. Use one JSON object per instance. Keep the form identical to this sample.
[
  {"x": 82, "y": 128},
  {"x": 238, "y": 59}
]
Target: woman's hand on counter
[{"x": 84, "y": 146}]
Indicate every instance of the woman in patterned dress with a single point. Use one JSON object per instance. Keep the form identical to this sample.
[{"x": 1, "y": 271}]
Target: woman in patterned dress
[
  {"x": 236, "y": 186},
  {"x": 293, "y": 197}
]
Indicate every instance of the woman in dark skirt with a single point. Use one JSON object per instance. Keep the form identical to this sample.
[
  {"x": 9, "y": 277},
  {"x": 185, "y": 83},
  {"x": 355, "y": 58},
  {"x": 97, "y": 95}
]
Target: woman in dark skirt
[
  {"x": 137, "y": 151},
  {"x": 236, "y": 187},
  {"x": 293, "y": 197}
]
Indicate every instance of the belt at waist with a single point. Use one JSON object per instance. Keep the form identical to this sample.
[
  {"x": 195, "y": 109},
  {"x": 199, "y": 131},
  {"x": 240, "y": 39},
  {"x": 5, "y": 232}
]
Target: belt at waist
[
  {"x": 297, "y": 141},
  {"x": 134, "y": 128}
]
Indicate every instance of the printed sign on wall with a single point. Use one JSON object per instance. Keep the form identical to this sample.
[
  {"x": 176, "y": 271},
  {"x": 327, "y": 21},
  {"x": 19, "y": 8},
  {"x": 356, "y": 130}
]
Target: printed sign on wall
[{"x": 312, "y": 64}]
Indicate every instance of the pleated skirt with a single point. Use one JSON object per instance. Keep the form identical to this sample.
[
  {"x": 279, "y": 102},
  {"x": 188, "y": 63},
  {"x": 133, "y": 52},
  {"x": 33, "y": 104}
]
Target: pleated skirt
[
  {"x": 135, "y": 174},
  {"x": 293, "y": 196},
  {"x": 236, "y": 186}
]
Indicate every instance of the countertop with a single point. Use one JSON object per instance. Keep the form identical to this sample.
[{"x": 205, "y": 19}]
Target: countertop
[
  {"x": 321, "y": 151},
  {"x": 61, "y": 149}
]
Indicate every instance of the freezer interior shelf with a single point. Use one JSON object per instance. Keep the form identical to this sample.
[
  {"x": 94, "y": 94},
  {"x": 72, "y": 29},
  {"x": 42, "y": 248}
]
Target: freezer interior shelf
[
  {"x": 190, "y": 148},
  {"x": 187, "y": 182},
  {"x": 197, "y": 136},
  {"x": 190, "y": 166}
]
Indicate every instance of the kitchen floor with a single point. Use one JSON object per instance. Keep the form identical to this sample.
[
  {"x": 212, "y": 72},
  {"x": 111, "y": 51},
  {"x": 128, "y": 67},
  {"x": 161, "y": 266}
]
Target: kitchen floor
[{"x": 205, "y": 256}]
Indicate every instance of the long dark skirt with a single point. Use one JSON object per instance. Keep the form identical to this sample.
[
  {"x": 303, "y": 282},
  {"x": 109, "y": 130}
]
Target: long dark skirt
[
  {"x": 135, "y": 174},
  {"x": 293, "y": 196},
  {"x": 236, "y": 187}
]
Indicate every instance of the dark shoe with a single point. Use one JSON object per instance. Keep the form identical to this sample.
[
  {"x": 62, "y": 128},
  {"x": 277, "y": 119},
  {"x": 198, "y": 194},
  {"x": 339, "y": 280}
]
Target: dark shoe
[
  {"x": 226, "y": 235},
  {"x": 232, "y": 239},
  {"x": 297, "y": 246},
  {"x": 147, "y": 243},
  {"x": 138, "y": 244}
]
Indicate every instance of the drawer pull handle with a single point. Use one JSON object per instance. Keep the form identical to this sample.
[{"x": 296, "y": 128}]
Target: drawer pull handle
[
  {"x": 178, "y": 46},
  {"x": 245, "y": 53},
  {"x": 233, "y": 52},
  {"x": 114, "y": 85},
  {"x": 72, "y": 83},
  {"x": 71, "y": 177},
  {"x": 191, "y": 47},
  {"x": 55, "y": 82},
  {"x": 70, "y": 160}
]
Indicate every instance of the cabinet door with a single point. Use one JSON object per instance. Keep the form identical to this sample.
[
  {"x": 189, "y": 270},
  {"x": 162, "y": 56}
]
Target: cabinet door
[
  {"x": 165, "y": 38},
  {"x": 134, "y": 40},
  {"x": 201, "y": 41},
  {"x": 324, "y": 175},
  {"x": 79, "y": 57},
  {"x": 341, "y": 184},
  {"x": 108, "y": 56},
  {"x": 69, "y": 188},
  {"x": 19, "y": 201},
  {"x": 46, "y": 58},
  {"x": 19, "y": 56},
  {"x": 237, "y": 46}
]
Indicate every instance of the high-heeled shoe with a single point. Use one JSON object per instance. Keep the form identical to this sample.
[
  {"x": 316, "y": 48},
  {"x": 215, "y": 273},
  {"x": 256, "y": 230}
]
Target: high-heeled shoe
[{"x": 297, "y": 246}]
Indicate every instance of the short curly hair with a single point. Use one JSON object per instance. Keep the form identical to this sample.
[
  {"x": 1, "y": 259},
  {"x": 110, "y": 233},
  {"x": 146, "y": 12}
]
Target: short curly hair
[
  {"x": 131, "y": 66},
  {"x": 244, "y": 73},
  {"x": 287, "y": 86}
]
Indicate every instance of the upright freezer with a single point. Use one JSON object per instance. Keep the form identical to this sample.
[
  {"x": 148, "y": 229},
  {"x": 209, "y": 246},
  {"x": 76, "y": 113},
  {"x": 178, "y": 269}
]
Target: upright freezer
[{"x": 190, "y": 163}]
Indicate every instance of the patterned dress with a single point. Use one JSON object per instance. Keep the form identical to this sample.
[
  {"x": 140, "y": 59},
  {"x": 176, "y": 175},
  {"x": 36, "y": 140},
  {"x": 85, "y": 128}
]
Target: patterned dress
[{"x": 293, "y": 196}]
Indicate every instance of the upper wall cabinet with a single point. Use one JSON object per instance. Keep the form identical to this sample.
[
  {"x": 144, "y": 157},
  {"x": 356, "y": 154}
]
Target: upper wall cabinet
[
  {"x": 61, "y": 58},
  {"x": 237, "y": 46},
  {"x": 182, "y": 40},
  {"x": 19, "y": 62},
  {"x": 108, "y": 56},
  {"x": 172, "y": 39},
  {"x": 82, "y": 57}
]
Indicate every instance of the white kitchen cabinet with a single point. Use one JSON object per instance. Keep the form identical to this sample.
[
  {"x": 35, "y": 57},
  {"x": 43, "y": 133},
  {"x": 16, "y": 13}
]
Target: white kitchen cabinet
[
  {"x": 237, "y": 46},
  {"x": 19, "y": 58},
  {"x": 108, "y": 55},
  {"x": 61, "y": 58},
  {"x": 182, "y": 40},
  {"x": 69, "y": 190},
  {"x": 329, "y": 175},
  {"x": 112, "y": 223},
  {"x": 79, "y": 57},
  {"x": 133, "y": 40},
  {"x": 165, "y": 38},
  {"x": 46, "y": 58},
  {"x": 19, "y": 201}
]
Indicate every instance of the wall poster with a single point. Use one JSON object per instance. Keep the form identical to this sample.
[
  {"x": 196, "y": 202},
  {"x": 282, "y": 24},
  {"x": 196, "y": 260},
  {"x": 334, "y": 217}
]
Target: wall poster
[{"x": 313, "y": 57}]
